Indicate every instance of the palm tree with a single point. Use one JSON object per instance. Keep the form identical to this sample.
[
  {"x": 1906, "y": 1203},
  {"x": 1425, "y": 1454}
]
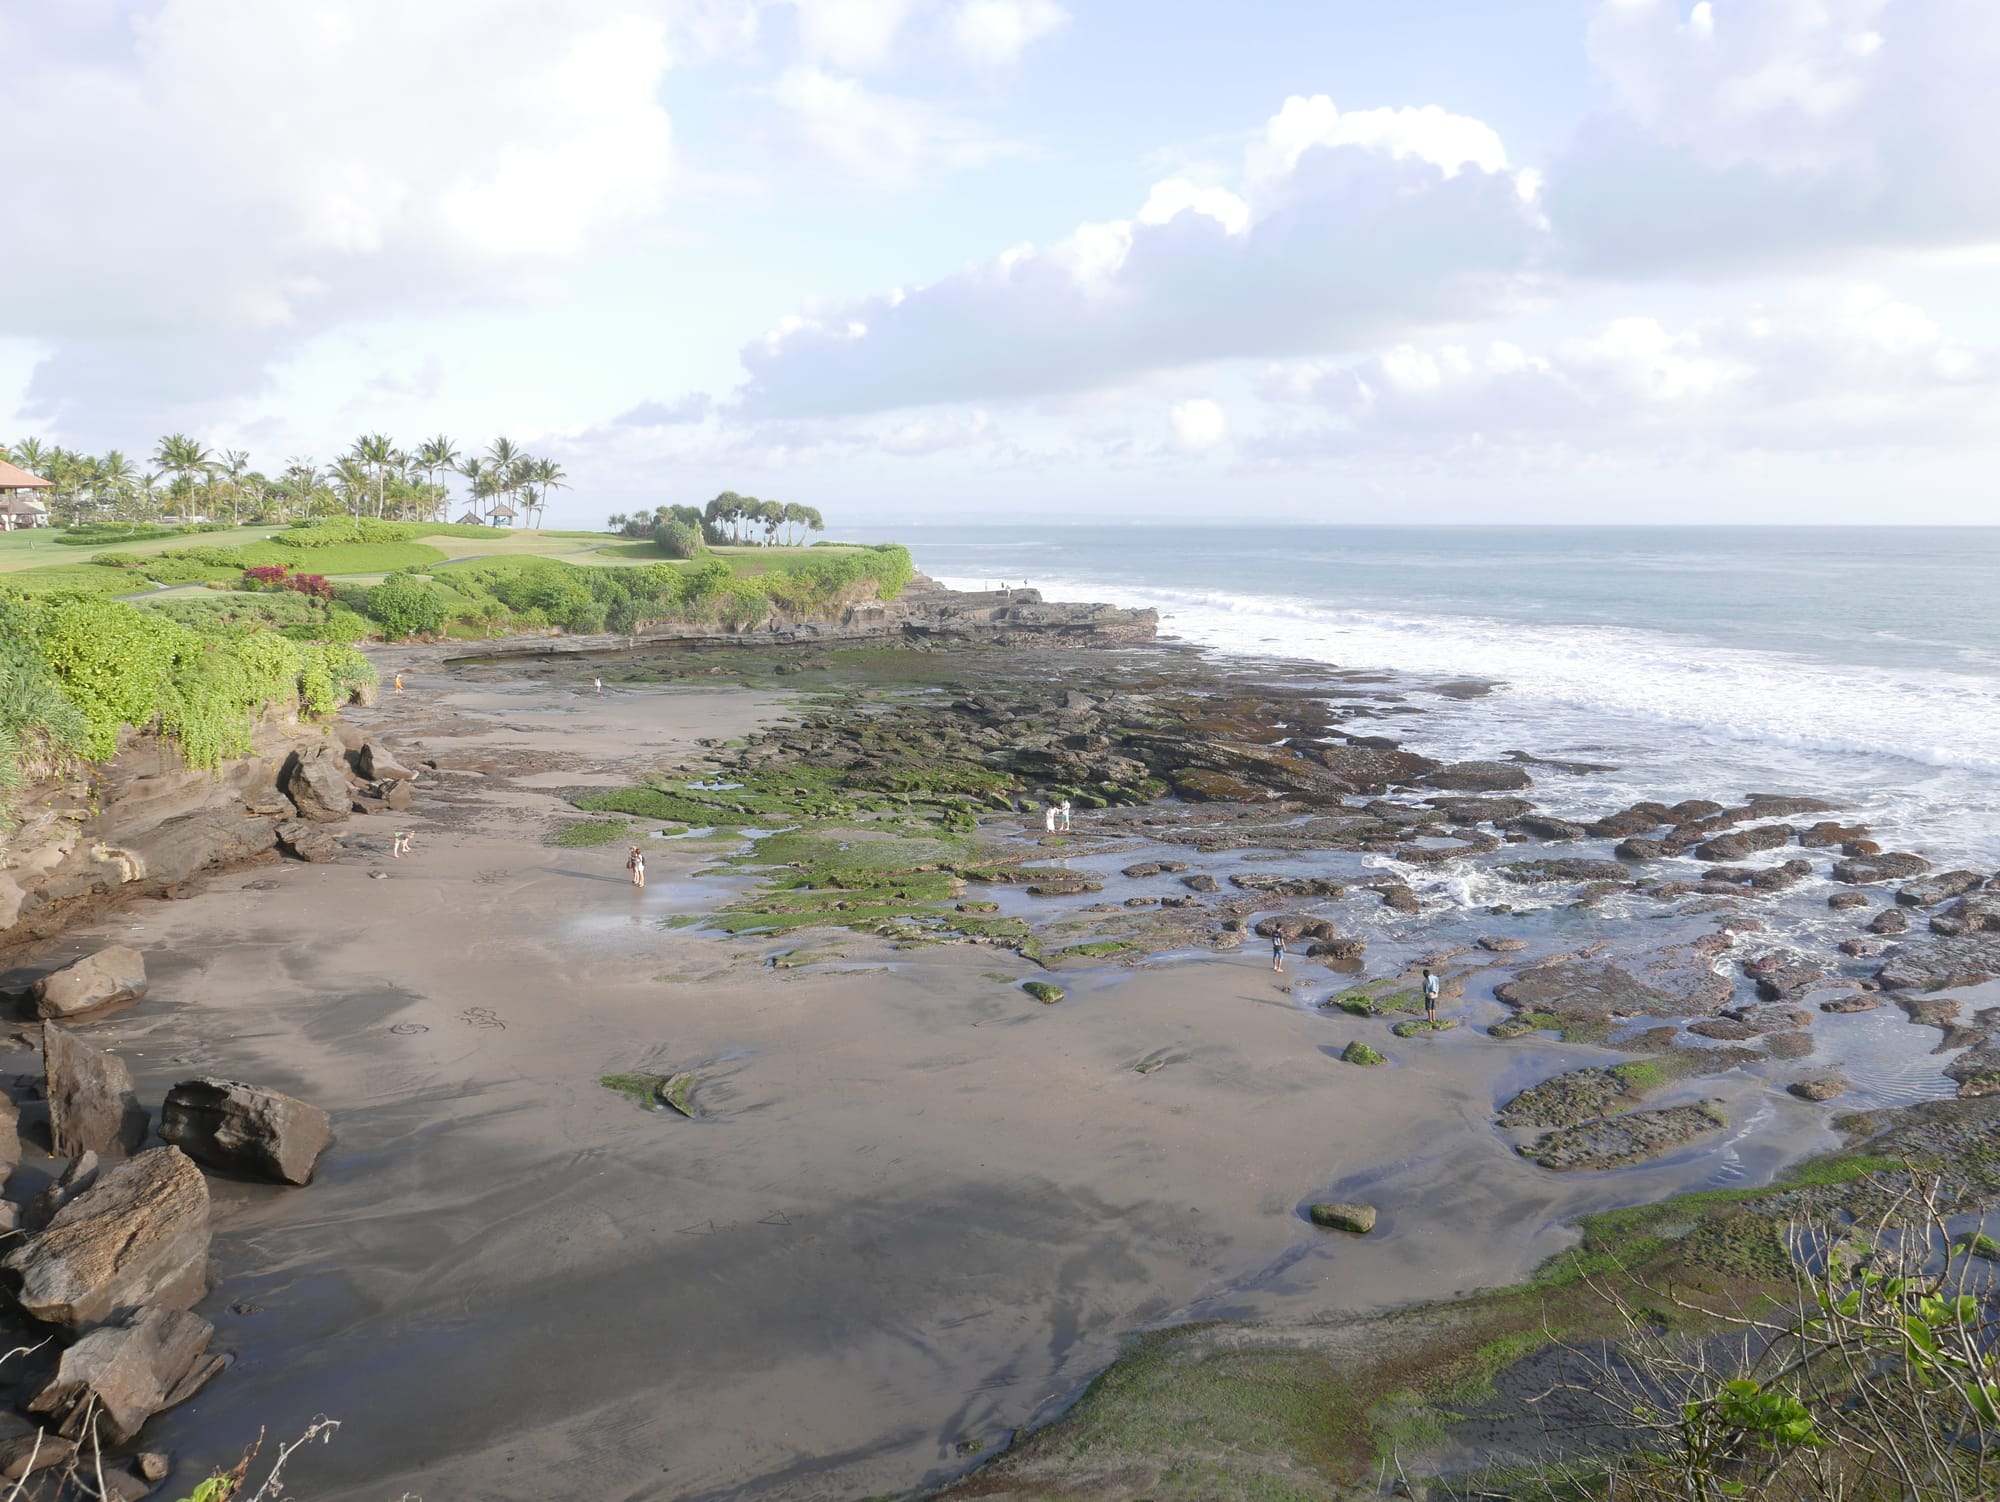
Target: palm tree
[
  {"x": 184, "y": 458},
  {"x": 31, "y": 456},
  {"x": 473, "y": 468},
  {"x": 115, "y": 477},
  {"x": 433, "y": 456},
  {"x": 234, "y": 463},
  {"x": 377, "y": 452},
  {"x": 546, "y": 475}
]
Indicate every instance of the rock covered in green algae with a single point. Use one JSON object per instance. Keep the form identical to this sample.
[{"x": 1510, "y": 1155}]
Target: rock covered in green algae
[
  {"x": 1047, "y": 992},
  {"x": 1358, "y": 1052},
  {"x": 654, "y": 1091},
  {"x": 1418, "y": 1026},
  {"x": 1616, "y": 1141},
  {"x": 1336, "y": 1216},
  {"x": 1579, "y": 1095}
]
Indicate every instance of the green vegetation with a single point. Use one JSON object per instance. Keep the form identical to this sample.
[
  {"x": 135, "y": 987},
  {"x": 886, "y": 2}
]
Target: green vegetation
[
  {"x": 655, "y": 1091},
  {"x": 1358, "y": 1052},
  {"x": 592, "y": 832},
  {"x": 1047, "y": 992},
  {"x": 76, "y": 669}
]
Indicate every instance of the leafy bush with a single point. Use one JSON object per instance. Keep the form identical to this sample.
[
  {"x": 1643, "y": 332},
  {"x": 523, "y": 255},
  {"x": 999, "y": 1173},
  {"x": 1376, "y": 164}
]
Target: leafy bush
[
  {"x": 821, "y": 583},
  {"x": 40, "y": 730},
  {"x": 677, "y": 539},
  {"x": 403, "y": 605},
  {"x": 120, "y": 665}
]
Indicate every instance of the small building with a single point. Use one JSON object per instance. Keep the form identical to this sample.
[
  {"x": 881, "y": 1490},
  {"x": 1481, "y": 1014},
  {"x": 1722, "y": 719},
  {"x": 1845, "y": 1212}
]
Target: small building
[
  {"x": 502, "y": 515},
  {"x": 19, "y": 506},
  {"x": 471, "y": 519}
]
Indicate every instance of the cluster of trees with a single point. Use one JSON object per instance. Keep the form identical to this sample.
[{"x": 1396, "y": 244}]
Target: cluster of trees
[
  {"x": 184, "y": 480},
  {"x": 728, "y": 519}
]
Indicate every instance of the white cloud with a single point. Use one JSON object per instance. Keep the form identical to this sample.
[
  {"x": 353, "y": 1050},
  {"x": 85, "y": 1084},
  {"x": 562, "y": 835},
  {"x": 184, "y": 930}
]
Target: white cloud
[
  {"x": 935, "y": 433},
  {"x": 1829, "y": 369},
  {"x": 855, "y": 34},
  {"x": 200, "y": 184},
  {"x": 1783, "y": 132},
  {"x": 1199, "y": 424},
  {"x": 877, "y": 139},
  {"x": 1390, "y": 227},
  {"x": 993, "y": 33}
]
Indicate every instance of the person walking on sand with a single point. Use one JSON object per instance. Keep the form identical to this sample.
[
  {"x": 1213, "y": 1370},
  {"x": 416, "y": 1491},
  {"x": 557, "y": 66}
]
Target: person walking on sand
[
  {"x": 1431, "y": 989},
  {"x": 399, "y": 843},
  {"x": 1065, "y": 816},
  {"x": 1278, "y": 953},
  {"x": 636, "y": 864},
  {"x": 399, "y": 683}
]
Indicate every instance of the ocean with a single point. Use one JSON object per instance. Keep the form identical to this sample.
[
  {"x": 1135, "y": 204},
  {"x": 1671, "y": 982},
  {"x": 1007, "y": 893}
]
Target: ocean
[{"x": 1858, "y": 664}]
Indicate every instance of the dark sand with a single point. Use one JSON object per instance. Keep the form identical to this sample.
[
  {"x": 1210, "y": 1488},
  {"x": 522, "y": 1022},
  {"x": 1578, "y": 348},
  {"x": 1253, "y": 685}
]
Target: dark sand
[{"x": 919, "y": 1208}]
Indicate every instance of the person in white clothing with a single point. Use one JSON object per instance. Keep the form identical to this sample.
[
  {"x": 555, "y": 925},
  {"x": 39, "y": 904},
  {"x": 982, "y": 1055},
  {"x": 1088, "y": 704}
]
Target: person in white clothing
[{"x": 1049, "y": 818}]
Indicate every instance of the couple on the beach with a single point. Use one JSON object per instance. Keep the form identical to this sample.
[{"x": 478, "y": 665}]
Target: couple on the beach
[
  {"x": 636, "y": 864},
  {"x": 1057, "y": 817}
]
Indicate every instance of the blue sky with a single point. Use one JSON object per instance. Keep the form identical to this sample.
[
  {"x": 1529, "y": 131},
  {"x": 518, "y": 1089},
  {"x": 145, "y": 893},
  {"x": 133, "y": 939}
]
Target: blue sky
[{"x": 1359, "y": 260}]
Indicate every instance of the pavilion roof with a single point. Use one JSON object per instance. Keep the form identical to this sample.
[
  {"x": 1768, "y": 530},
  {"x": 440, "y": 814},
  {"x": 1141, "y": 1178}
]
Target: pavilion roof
[{"x": 13, "y": 477}]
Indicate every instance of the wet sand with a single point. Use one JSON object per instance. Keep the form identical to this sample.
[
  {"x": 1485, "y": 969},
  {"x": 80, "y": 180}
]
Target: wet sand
[{"x": 918, "y": 1208}]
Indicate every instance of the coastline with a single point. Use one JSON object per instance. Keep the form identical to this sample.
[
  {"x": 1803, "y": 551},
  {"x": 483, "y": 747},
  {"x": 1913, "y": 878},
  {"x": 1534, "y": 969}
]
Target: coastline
[{"x": 890, "y": 1297}]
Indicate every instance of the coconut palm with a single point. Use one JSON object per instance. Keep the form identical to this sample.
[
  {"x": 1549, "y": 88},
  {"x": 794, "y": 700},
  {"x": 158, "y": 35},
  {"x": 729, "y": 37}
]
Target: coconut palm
[
  {"x": 434, "y": 456},
  {"x": 545, "y": 475},
  {"x": 377, "y": 452},
  {"x": 31, "y": 456},
  {"x": 184, "y": 458}
]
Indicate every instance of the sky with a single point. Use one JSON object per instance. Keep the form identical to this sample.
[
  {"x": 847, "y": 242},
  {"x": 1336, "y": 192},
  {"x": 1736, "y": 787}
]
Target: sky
[{"x": 1049, "y": 260}]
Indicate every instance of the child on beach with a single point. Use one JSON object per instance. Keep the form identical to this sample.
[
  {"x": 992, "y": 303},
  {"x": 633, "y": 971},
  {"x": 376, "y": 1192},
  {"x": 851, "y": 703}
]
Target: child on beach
[
  {"x": 636, "y": 864},
  {"x": 399, "y": 843},
  {"x": 1431, "y": 989},
  {"x": 1278, "y": 953}
]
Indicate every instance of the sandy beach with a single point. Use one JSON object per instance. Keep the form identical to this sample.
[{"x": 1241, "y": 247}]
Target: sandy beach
[{"x": 916, "y": 1210}]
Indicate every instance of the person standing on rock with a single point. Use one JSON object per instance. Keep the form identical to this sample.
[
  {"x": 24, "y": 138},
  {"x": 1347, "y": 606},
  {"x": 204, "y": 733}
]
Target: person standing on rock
[
  {"x": 1065, "y": 816},
  {"x": 1049, "y": 819},
  {"x": 1278, "y": 953},
  {"x": 1431, "y": 989},
  {"x": 636, "y": 864},
  {"x": 598, "y": 684}
]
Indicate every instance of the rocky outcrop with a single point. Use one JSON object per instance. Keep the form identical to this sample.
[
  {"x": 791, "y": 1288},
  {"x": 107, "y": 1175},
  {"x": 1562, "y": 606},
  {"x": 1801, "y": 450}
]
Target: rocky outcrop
[
  {"x": 1891, "y": 865},
  {"x": 92, "y": 1105},
  {"x": 106, "y": 978},
  {"x": 77, "y": 1175},
  {"x": 1743, "y": 842},
  {"x": 1569, "y": 868},
  {"x": 375, "y": 764},
  {"x": 1939, "y": 888},
  {"x": 1580, "y": 1095},
  {"x": 143, "y": 824},
  {"x": 1479, "y": 777},
  {"x": 1615, "y": 1141},
  {"x": 138, "y": 1235},
  {"x": 122, "y": 1374},
  {"x": 1934, "y": 964},
  {"x": 245, "y": 1130},
  {"x": 304, "y": 840},
  {"x": 315, "y": 779}
]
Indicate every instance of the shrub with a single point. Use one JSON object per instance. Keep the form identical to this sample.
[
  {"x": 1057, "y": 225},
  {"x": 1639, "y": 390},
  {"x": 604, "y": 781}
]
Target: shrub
[
  {"x": 677, "y": 539},
  {"x": 405, "y": 606},
  {"x": 265, "y": 576}
]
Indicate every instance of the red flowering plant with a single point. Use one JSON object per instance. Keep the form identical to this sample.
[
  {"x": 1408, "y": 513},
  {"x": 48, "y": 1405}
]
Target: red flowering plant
[
  {"x": 267, "y": 576},
  {"x": 314, "y": 586}
]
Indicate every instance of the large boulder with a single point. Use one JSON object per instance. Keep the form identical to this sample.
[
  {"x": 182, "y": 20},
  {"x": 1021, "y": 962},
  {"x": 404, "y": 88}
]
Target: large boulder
[
  {"x": 376, "y": 765},
  {"x": 246, "y": 1130},
  {"x": 304, "y": 840},
  {"x": 1735, "y": 846},
  {"x": 97, "y": 980},
  {"x": 92, "y": 1105},
  {"x": 1938, "y": 964},
  {"x": 123, "y": 1374},
  {"x": 139, "y": 1235},
  {"x": 77, "y": 1175},
  {"x": 315, "y": 779}
]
